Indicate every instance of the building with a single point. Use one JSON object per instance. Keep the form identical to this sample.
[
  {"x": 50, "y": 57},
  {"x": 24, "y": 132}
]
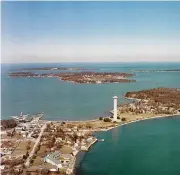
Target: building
[
  {"x": 58, "y": 159},
  {"x": 54, "y": 159},
  {"x": 115, "y": 108}
]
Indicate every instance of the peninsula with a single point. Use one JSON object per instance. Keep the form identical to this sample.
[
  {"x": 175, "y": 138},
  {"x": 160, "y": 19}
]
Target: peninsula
[
  {"x": 150, "y": 103},
  {"x": 47, "y": 147},
  {"x": 81, "y": 77}
]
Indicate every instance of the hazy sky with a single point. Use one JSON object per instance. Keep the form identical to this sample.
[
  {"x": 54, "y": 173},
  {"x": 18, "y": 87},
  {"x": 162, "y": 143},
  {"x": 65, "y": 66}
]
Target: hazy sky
[{"x": 90, "y": 31}]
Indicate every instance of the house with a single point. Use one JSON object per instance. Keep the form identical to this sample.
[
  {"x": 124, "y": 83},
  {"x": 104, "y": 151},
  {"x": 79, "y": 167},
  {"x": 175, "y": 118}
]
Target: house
[
  {"x": 68, "y": 129},
  {"x": 66, "y": 156},
  {"x": 59, "y": 139},
  {"x": 75, "y": 152},
  {"x": 84, "y": 148},
  {"x": 69, "y": 171},
  {"x": 90, "y": 139},
  {"x": 75, "y": 128},
  {"x": 2, "y": 167}
]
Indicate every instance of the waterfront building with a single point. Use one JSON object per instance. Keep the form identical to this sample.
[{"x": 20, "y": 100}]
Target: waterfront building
[
  {"x": 58, "y": 159},
  {"x": 54, "y": 159}
]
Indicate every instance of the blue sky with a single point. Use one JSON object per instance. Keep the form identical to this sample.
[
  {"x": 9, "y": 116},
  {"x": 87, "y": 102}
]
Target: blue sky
[{"x": 78, "y": 31}]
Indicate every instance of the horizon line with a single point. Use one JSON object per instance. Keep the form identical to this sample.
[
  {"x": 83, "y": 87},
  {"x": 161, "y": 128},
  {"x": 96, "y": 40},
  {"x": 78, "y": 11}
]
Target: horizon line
[{"x": 170, "y": 61}]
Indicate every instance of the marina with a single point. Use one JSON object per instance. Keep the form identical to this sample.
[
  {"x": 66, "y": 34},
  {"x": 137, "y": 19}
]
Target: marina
[{"x": 27, "y": 117}]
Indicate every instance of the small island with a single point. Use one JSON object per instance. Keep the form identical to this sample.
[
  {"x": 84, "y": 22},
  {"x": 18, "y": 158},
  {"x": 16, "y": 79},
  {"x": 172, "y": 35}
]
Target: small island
[{"x": 81, "y": 77}]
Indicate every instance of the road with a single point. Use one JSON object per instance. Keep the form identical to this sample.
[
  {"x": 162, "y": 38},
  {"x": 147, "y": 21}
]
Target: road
[{"x": 36, "y": 144}]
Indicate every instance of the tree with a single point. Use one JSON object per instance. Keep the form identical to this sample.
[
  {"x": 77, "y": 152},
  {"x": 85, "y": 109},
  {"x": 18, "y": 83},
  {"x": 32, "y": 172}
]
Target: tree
[
  {"x": 28, "y": 147},
  {"x": 123, "y": 119},
  {"x": 59, "y": 145},
  {"x": 50, "y": 144},
  {"x": 81, "y": 137},
  {"x": 69, "y": 125},
  {"x": 27, "y": 154},
  {"x": 88, "y": 125},
  {"x": 44, "y": 171},
  {"x": 24, "y": 157},
  {"x": 34, "y": 156},
  {"x": 31, "y": 161},
  {"x": 74, "y": 137},
  {"x": 53, "y": 140},
  {"x": 100, "y": 118},
  {"x": 80, "y": 126},
  {"x": 63, "y": 123},
  {"x": 107, "y": 119}
]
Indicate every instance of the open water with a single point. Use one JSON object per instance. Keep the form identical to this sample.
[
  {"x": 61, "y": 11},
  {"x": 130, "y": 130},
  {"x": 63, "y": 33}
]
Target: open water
[
  {"x": 66, "y": 101},
  {"x": 150, "y": 147}
]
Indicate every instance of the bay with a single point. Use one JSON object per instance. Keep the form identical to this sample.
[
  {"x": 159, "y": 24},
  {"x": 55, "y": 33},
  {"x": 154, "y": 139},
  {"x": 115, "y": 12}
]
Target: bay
[
  {"x": 143, "y": 148},
  {"x": 66, "y": 101}
]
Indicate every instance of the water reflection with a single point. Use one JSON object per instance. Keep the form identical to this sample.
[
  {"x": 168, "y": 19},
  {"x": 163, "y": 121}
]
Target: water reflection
[{"x": 115, "y": 134}]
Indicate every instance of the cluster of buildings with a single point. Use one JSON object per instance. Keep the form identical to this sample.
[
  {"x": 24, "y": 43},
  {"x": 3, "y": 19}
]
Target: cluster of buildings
[
  {"x": 145, "y": 106},
  {"x": 64, "y": 160},
  {"x": 29, "y": 126},
  {"x": 61, "y": 161},
  {"x": 29, "y": 129}
]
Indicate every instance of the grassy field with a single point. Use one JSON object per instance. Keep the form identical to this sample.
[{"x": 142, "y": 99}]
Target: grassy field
[
  {"x": 22, "y": 148},
  {"x": 66, "y": 150}
]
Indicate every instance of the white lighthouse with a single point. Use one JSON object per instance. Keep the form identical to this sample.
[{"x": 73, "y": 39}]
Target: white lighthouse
[{"x": 115, "y": 107}]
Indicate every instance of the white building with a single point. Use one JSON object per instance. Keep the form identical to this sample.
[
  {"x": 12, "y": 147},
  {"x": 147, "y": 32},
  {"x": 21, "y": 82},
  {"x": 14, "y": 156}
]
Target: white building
[
  {"x": 115, "y": 108},
  {"x": 53, "y": 158}
]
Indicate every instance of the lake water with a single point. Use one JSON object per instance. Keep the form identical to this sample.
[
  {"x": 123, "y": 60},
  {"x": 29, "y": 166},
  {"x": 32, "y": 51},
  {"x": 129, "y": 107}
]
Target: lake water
[
  {"x": 142, "y": 148},
  {"x": 66, "y": 101},
  {"x": 150, "y": 147}
]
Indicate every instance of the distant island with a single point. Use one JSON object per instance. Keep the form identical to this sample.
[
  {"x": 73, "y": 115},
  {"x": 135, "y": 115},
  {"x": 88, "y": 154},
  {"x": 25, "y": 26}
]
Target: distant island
[
  {"x": 81, "y": 77},
  {"x": 58, "y": 68},
  {"x": 167, "y": 70}
]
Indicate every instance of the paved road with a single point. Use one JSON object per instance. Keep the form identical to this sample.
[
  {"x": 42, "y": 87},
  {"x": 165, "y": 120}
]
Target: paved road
[{"x": 36, "y": 144}]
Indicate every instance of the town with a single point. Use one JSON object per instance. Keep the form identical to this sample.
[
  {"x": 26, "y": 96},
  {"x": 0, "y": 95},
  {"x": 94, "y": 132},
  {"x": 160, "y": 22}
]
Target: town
[{"x": 39, "y": 146}]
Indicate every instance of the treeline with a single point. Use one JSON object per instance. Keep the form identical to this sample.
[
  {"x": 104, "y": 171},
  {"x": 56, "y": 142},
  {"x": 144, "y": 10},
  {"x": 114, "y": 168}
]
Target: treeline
[
  {"x": 168, "y": 96},
  {"x": 22, "y": 74},
  {"x": 7, "y": 124}
]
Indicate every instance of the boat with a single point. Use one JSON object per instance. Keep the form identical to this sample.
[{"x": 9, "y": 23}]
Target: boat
[{"x": 101, "y": 140}]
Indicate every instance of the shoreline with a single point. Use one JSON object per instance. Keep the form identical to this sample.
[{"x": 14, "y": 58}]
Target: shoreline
[
  {"x": 147, "y": 118},
  {"x": 85, "y": 77},
  {"x": 129, "y": 122}
]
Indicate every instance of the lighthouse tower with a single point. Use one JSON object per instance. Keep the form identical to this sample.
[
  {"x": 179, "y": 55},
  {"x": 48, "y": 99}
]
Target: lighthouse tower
[{"x": 115, "y": 107}]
